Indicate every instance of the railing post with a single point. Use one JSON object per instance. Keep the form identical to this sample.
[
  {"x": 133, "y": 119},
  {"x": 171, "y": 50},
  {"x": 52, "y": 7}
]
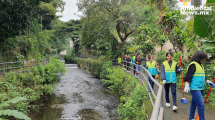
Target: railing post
[
  {"x": 4, "y": 68},
  {"x": 161, "y": 105},
  {"x": 148, "y": 82}
]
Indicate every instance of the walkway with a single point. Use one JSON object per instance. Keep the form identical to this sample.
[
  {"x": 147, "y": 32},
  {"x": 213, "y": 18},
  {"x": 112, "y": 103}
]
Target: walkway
[{"x": 183, "y": 109}]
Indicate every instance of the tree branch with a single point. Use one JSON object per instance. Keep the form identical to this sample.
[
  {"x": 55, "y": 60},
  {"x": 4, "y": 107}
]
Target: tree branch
[
  {"x": 111, "y": 35},
  {"x": 118, "y": 32},
  {"x": 126, "y": 36}
]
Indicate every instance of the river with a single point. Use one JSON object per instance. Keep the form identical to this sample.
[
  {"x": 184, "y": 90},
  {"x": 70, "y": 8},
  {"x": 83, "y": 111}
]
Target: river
[{"x": 78, "y": 96}]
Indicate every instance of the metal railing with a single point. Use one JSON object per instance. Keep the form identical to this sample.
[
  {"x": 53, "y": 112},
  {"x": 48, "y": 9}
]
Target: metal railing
[
  {"x": 158, "y": 109},
  {"x": 20, "y": 66}
]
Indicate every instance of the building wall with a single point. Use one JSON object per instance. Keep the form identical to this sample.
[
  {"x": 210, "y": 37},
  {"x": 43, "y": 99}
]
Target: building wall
[
  {"x": 63, "y": 52},
  {"x": 168, "y": 45}
]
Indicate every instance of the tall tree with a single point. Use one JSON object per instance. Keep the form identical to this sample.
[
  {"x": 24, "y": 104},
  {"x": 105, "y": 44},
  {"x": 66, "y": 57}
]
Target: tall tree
[
  {"x": 16, "y": 16},
  {"x": 117, "y": 19}
]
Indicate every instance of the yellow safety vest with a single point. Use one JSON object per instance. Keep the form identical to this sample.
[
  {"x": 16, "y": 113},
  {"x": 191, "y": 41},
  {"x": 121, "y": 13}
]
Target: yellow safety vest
[
  {"x": 170, "y": 74},
  {"x": 198, "y": 79},
  {"x": 152, "y": 67},
  {"x": 119, "y": 60}
]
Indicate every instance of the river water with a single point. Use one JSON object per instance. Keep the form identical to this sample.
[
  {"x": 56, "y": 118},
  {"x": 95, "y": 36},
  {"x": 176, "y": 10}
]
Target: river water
[{"x": 78, "y": 96}]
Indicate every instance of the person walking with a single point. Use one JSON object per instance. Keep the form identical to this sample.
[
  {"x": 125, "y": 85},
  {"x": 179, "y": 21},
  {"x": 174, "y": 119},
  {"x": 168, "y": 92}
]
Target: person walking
[
  {"x": 138, "y": 60},
  {"x": 152, "y": 68},
  {"x": 124, "y": 61},
  {"x": 168, "y": 75},
  {"x": 195, "y": 82},
  {"x": 119, "y": 60},
  {"x": 133, "y": 62},
  {"x": 128, "y": 63}
]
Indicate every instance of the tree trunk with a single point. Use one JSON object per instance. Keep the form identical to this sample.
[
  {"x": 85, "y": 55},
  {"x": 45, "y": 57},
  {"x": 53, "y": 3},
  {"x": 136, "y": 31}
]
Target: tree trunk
[
  {"x": 185, "y": 52},
  {"x": 161, "y": 47}
]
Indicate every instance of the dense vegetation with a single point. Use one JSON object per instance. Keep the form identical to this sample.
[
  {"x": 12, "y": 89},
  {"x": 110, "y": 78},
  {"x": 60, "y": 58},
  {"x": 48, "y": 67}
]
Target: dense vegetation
[
  {"x": 30, "y": 29},
  {"x": 19, "y": 91}
]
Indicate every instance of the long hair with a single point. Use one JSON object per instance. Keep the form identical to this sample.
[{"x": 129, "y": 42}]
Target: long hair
[{"x": 198, "y": 56}]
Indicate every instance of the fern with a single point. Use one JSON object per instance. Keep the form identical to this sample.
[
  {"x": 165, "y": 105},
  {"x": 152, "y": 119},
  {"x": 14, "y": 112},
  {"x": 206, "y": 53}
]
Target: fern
[
  {"x": 14, "y": 113},
  {"x": 14, "y": 100}
]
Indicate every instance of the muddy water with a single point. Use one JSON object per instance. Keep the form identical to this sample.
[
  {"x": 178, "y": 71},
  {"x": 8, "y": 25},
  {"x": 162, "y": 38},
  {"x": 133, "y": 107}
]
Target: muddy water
[{"x": 78, "y": 96}]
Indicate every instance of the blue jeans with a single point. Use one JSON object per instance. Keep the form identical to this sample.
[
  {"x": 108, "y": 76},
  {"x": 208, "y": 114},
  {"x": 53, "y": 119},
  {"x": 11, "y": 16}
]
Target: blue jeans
[
  {"x": 173, "y": 90},
  {"x": 197, "y": 101},
  {"x": 137, "y": 70}
]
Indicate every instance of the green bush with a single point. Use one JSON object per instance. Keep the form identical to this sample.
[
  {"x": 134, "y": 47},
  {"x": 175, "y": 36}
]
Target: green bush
[
  {"x": 104, "y": 72},
  {"x": 51, "y": 69},
  {"x": 132, "y": 94},
  {"x": 69, "y": 59},
  {"x": 39, "y": 81},
  {"x": 134, "y": 108},
  {"x": 94, "y": 67}
]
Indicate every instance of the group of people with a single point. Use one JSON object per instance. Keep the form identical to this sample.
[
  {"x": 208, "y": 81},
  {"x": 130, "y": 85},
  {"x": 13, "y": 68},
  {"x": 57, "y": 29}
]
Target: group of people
[
  {"x": 195, "y": 80},
  {"x": 127, "y": 61}
]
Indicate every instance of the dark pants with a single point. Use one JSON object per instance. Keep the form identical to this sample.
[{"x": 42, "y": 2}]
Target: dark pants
[
  {"x": 197, "y": 101},
  {"x": 125, "y": 64},
  {"x": 173, "y": 90},
  {"x": 151, "y": 82},
  {"x": 128, "y": 66},
  {"x": 134, "y": 66}
]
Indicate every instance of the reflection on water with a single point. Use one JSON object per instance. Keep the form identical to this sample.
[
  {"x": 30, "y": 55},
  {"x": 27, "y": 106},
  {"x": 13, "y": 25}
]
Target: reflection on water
[
  {"x": 78, "y": 96},
  {"x": 49, "y": 108},
  {"x": 88, "y": 114}
]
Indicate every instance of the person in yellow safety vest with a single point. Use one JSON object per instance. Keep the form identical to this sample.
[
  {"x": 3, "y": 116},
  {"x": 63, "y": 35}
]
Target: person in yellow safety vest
[
  {"x": 152, "y": 68},
  {"x": 119, "y": 60},
  {"x": 195, "y": 84},
  {"x": 168, "y": 75}
]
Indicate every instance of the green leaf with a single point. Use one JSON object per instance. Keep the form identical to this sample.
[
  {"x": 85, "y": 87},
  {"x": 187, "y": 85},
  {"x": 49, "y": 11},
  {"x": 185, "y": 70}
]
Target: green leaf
[
  {"x": 14, "y": 100},
  {"x": 14, "y": 113}
]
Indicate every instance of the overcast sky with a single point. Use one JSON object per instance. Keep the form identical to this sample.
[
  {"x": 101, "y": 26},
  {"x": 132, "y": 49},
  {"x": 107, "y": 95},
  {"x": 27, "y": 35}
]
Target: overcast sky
[{"x": 69, "y": 9}]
